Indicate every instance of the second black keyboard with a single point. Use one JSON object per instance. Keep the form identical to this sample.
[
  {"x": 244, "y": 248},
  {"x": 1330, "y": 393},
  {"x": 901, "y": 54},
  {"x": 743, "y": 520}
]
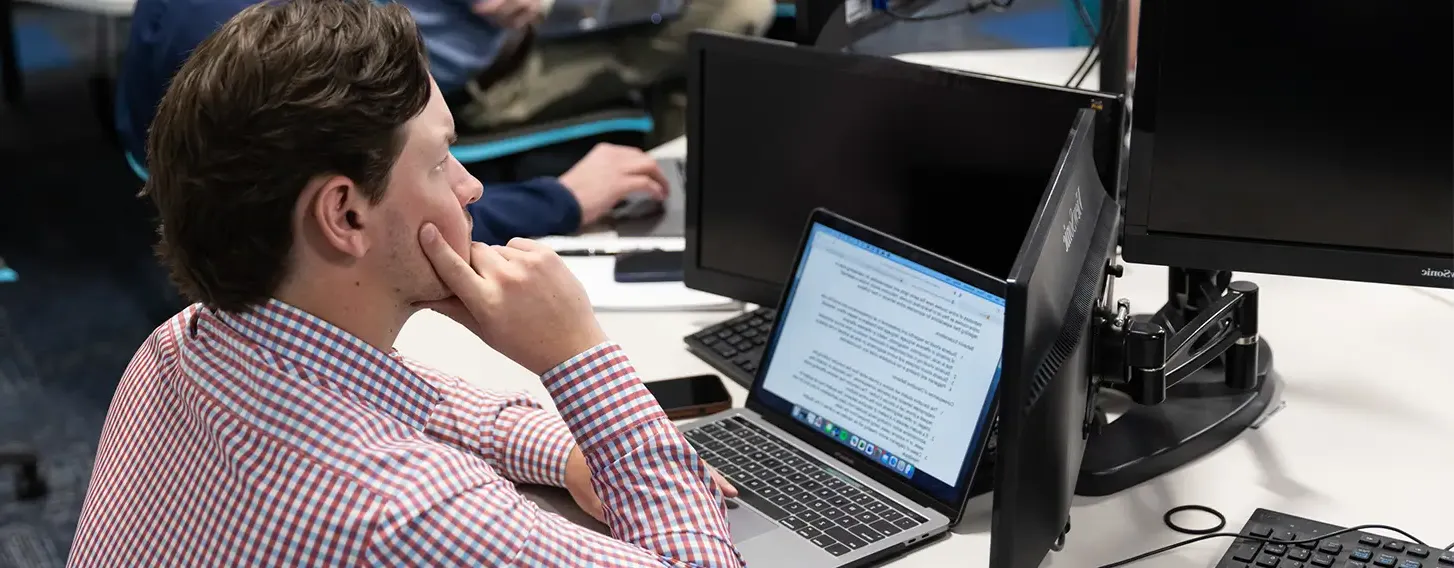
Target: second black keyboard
[
  {"x": 1355, "y": 549},
  {"x": 734, "y": 347}
]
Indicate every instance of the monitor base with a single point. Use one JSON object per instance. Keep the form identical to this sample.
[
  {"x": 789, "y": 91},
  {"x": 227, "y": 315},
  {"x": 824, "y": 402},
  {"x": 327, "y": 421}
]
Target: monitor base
[{"x": 1200, "y": 415}]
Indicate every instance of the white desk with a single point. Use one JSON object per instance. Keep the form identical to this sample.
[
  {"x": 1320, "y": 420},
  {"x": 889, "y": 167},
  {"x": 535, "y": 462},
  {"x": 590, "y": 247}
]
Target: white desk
[{"x": 1363, "y": 438}]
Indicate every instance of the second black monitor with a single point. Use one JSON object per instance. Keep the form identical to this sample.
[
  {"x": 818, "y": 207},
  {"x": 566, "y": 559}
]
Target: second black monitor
[{"x": 954, "y": 162}]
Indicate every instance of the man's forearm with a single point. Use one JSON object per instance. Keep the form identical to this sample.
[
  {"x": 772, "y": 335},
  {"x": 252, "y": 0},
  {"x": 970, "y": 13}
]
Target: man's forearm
[{"x": 637, "y": 456}]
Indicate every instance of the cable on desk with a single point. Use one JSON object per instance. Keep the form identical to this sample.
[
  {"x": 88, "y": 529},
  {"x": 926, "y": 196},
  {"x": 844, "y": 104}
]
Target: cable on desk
[
  {"x": 1174, "y": 546},
  {"x": 971, "y": 8},
  {"x": 1450, "y": 547},
  {"x": 1221, "y": 519}
]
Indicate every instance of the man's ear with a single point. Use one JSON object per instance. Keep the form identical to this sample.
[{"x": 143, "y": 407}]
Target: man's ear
[{"x": 339, "y": 211}]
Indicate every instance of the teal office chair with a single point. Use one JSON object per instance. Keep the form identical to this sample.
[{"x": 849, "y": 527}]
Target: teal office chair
[{"x": 505, "y": 145}]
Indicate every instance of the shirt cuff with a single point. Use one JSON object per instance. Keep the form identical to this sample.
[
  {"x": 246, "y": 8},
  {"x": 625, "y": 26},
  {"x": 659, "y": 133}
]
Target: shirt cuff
[
  {"x": 536, "y": 447},
  {"x": 599, "y": 395}
]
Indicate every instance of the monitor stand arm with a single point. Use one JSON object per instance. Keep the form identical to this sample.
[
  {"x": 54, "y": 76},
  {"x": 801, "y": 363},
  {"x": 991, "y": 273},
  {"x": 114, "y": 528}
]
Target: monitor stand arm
[{"x": 1197, "y": 370}]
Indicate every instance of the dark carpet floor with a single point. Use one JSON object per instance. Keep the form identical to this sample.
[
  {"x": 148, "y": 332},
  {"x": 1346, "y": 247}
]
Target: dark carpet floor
[{"x": 88, "y": 290}]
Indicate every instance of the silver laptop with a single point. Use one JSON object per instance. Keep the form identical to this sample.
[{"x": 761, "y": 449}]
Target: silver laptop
[{"x": 871, "y": 407}]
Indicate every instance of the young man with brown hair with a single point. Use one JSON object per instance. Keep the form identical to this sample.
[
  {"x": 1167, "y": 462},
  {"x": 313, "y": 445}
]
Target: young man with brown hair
[{"x": 310, "y": 205}]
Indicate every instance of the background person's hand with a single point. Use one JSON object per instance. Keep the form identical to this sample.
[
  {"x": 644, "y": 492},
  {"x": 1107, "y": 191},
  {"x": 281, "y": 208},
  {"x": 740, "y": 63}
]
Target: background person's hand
[
  {"x": 578, "y": 483},
  {"x": 608, "y": 174},
  {"x": 520, "y": 299},
  {"x": 509, "y": 14}
]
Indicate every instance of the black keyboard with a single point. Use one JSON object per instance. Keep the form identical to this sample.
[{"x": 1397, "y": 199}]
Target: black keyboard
[
  {"x": 734, "y": 347},
  {"x": 1354, "y": 549},
  {"x": 798, "y": 491}
]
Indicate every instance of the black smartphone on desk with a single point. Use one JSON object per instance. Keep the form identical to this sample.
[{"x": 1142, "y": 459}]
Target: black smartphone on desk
[
  {"x": 690, "y": 397},
  {"x": 649, "y": 266}
]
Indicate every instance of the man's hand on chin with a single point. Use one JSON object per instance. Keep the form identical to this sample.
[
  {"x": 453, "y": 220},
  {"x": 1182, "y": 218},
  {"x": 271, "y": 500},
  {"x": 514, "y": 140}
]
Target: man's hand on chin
[{"x": 578, "y": 483}]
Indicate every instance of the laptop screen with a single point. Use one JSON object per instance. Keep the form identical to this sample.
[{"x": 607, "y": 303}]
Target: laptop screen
[{"x": 888, "y": 357}]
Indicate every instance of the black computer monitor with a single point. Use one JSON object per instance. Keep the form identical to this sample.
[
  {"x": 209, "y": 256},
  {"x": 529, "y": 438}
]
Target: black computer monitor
[
  {"x": 1057, "y": 281},
  {"x": 953, "y": 162},
  {"x": 1244, "y": 157},
  {"x": 1251, "y": 151}
]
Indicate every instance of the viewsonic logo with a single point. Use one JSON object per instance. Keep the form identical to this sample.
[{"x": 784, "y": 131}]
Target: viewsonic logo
[{"x": 1438, "y": 273}]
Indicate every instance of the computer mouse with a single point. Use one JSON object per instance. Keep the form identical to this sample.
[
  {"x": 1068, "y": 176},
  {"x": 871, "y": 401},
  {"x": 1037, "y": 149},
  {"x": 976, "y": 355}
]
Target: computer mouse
[{"x": 637, "y": 205}]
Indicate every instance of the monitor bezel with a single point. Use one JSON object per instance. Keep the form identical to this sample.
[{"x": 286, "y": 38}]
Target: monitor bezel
[
  {"x": 1143, "y": 245},
  {"x": 955, "y": 509}
]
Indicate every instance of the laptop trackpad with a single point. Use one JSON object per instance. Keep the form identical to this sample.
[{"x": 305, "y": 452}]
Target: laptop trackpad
[{"x": 746, "y": 523}]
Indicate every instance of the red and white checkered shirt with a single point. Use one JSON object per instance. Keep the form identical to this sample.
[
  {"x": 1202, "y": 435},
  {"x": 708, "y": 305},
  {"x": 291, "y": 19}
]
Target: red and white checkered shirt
[{"x": 272, "y": 438}]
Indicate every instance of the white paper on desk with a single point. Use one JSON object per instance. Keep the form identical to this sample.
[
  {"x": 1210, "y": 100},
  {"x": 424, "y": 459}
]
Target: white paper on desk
[
  {"x": 598, "y": 275},
  {"x": 611, "y": 243}
]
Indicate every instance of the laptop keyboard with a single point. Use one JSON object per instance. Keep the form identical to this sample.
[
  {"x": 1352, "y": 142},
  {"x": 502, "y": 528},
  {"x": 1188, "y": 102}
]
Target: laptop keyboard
[{"x": 798, "y": 491}]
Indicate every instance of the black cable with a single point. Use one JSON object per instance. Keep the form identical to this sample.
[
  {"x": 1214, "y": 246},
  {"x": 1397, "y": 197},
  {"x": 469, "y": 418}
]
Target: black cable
[
  {"x": 1450, "y": 547},
  {"x": 1221, "y": 519},
  {"x": 970, "y": 8},
  {"x": 1092, "y": 55},
  {"x": 1170, "y": 547}
]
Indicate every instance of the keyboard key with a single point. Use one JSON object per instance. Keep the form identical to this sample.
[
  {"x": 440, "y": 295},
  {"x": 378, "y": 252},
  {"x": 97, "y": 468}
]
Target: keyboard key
[
  {"x": 824, "y": 541},
  {"x": 1275, "y": 549},
  {"x": 1285, "y": 536},
  {"x": 852, "y": 509},
  {"x": 1446, "y": 559},
  {"x": 1385, "y": 560},
  {"x": 885, "y": 528},
  {"x": 755, "y": 484},
  {"x": 761, "y": 504},
  {"x": 1322, "y": 560},
  {"x": 838, "y": 501},
  {"x": 1361, "y": 554},
  {"x": 1260, "y": 532},
  {"x": 770, "y": 492},
  {"x": 1410, "y": 564},
  {"x": 1369, "y": 540},
  {"x": 811, "y": 485},
  {"x": 877, "y": 507},
  {"x": 1245, "y": 552},
  {"x": 795, "y": 507},
  {"x": 792, "y": 522},
  {"x": 842, "y": 535},
  {"x": 906, "y": 523},
  {"x": 836, "y": 514},
  {"x": 1331, "y": 547},
  {"x": 1268, "y": 561},
  {"x": 1352, "y": 564},
  {"x": 819, "y": 505},
  {"x": 810, "y": 516},
  {"x": 818, "y": 475},
  {"x": 809, "y": 532},
  {"x": 823, "y": 523},
  {"x": 780, "y": 499},
  {"x": 1299, "y": 554},
  {"x": 837, "y": 549},
  {"x": 1418, "y": 552},
  {"x": 1394, "y": 545},
  {"x": 867, "y": 533},
  {"x": 866, "y": 517}
]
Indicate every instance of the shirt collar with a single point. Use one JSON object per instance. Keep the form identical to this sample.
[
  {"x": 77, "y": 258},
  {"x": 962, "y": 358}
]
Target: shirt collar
[{"x": 324, "y": 349}]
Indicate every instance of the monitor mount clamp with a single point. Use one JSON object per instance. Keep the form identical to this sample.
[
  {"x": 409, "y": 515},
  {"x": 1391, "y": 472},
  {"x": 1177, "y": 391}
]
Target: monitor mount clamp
[{"x": 1197, "y": 371}]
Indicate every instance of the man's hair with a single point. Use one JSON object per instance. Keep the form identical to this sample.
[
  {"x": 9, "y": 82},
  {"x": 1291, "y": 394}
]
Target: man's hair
[{"x": 282, "y": 93}]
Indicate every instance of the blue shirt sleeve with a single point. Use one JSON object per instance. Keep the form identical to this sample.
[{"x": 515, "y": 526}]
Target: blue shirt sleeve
[{"x": 535, "y": 208}]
